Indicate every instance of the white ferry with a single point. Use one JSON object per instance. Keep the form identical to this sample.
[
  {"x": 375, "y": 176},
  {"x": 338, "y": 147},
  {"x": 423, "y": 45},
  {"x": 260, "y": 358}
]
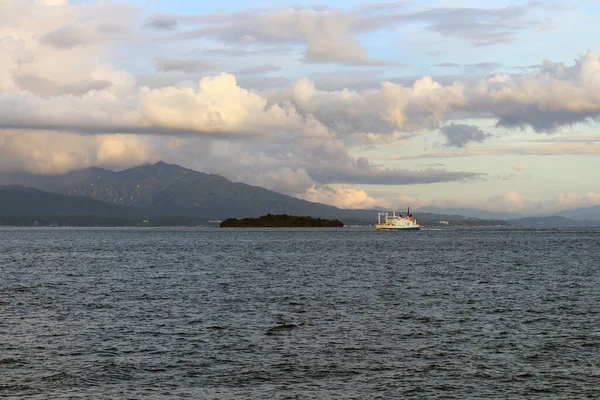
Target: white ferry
[{"x": 387, "y": 222}]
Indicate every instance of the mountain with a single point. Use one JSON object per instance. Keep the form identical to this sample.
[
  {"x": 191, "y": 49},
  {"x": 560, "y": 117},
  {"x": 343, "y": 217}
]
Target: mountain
[
  {"x": 27, "y": 206},
  {"x": 552, "y": 222},
  {"x": 586, "y": 213},
  {"x": 471, "y": 213},
  {"x": 18, "y": 200},
  {"x": 53, "y": 183},
  {"x": 174, "y": 190}
]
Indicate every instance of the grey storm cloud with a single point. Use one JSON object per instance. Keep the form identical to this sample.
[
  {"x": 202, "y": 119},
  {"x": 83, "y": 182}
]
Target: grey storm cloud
[
  {"x": 540, "y": 120},
  {"x": 258, "y": 69},
  {"x": 328, "y": 165},
  {"x": 47, "y": 88},
  {"x": 459, "y": 135},
  {"x": 479, "y": 26},
  {"x": 448, "y": 65},
  {"x": 484, "y": 67},
  {"x": 372, "y": 176},
  {"x": 248, "y": 51},
  {"x": 163, "y": 24},
  {"x": 189, "y": 66},
  {"x": 65, "y": 37}
]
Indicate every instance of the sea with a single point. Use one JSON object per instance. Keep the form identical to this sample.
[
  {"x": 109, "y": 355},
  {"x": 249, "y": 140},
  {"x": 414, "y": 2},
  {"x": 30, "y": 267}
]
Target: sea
[{"x": 347, "y": 313}]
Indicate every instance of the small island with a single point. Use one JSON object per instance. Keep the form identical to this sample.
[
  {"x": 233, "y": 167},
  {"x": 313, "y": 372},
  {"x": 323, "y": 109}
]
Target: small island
[{"x": 281, "y": 221}]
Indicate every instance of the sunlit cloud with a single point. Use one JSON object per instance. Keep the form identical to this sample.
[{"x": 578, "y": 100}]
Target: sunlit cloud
[{"x": 299, "y": 100}]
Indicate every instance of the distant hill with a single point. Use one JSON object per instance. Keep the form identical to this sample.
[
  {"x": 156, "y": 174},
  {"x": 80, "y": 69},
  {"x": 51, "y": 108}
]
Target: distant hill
[
  {"x": 586, "y": 213},
  {"x": 588, "y": 216},
  {"x": 471, "y": 213},
  {"x": 552, "y": 222},
  {"x": 28, "y": 206}
]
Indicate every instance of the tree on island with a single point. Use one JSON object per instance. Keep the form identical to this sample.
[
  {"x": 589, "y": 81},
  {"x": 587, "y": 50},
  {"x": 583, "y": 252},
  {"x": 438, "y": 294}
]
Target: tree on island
[{"x": 281, "y": 221}]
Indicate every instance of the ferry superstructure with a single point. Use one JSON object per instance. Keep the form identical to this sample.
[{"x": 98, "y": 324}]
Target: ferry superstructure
[{"x": 393, "y": 222}]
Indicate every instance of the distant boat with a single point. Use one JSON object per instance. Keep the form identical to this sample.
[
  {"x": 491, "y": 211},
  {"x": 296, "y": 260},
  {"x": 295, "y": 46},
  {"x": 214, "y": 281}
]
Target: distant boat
[{"x": 387, "y": 222}]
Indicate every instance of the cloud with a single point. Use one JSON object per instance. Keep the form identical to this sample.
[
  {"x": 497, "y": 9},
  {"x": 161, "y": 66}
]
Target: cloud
[
  {"x": 258, "y": 69},
  {"x": 512, "y": 201},
  {"x": 554, "y": 96},
  {"x": 390, "y": 176},
  {"x": 50, "y": 152},
  {"x": 65, "y": 37},
  {"x": 477, "y": 68},
  {"x": 343, "y": 196},
  {"x": 485, "y": 66},
  {"x": 70, "y": 89},
  {"x": 280, "y": 178},
  {"x": 184, "y": 65},
  {"x": 479, "y": 26},
  {"x": 48, "y": 88},
  {"x": 53, "y": 2},
  {"x": 64, "y": 105},
  {"x": 95, "y": 24},
  {"x": 60, "y": 49},
  {"x": 325, "y": 32},
  {"x": 509, "y": 201},
  {"x": 448, "y": 65},
  {"x": 415, "y": 202},
  {"x": 570, "y": 200},
  {"x": 459, "y": 135},
  {"x": 247, "y": 51},
  {"x": 329, "y": 35},
  {"x": 219, "y": 105},
  {"x": 423, "y": 106},
  {"x": 163, "y": 24},
  {"x": 551, "y": 149},
  {"x": 363, "y": 172}
]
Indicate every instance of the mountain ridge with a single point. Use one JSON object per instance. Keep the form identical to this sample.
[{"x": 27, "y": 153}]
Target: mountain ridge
[
  {"x": 24, "y": 206},
  {"x": 174, "y": 189},
  {"x": 170, "y": 189}
]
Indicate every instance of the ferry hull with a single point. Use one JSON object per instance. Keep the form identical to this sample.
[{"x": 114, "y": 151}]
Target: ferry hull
[{"x": 398, "y": 228}]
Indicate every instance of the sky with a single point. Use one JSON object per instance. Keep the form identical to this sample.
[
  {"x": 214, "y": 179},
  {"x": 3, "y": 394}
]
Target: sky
[{"x": 357, "y": 104}]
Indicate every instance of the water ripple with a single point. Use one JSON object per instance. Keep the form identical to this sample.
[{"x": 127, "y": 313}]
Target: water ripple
[{"x": 299, "y": 314}]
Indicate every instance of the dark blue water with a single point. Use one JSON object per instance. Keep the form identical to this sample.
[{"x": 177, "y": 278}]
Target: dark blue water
[{"x": 299, "y": 314}]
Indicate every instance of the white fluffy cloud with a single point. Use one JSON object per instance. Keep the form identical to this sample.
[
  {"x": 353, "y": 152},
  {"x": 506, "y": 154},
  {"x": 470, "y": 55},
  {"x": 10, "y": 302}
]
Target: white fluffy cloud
[
  {"x": 219, "y": 105},
  {"x": 571, "y": 200},
  {"x": 53, "y": 44},
  {"x": 342, "y": 196},
  {"x": 555, "y": 95},
  {"x": 49, "y": 152}
]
